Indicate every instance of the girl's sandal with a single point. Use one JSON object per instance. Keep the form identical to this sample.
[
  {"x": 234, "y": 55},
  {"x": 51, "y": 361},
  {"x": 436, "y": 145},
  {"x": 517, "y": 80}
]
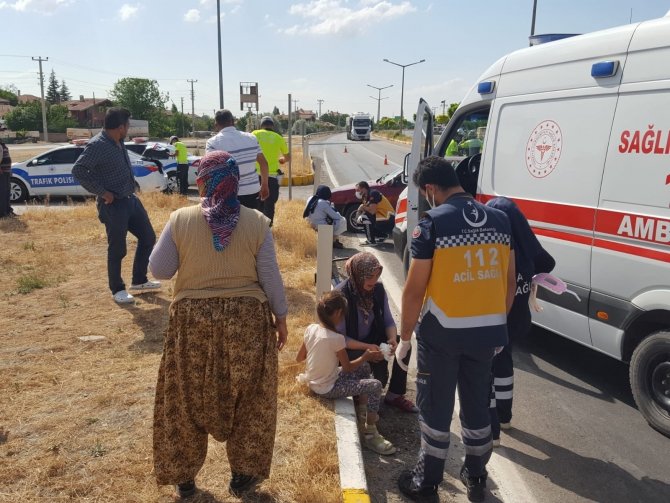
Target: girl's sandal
[{"x": 376, "y": 443}]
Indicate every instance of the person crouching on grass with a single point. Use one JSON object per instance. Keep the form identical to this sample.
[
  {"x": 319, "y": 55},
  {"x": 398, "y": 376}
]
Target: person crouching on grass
[{"x": 323, "y": 348}]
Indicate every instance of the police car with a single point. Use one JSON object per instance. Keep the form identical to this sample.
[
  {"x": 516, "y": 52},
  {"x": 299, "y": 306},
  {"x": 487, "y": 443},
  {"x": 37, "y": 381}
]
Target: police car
[
  {"x": 163, "y": 154},
  {"x": 50, "y": 174}
]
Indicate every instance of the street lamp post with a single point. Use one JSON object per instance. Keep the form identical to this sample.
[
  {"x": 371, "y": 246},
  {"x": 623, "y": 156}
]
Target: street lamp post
[
  {"x": 379, "y": 98},
  {"x": 402, "y": 88},
  {"x": 218, "y": 25}
]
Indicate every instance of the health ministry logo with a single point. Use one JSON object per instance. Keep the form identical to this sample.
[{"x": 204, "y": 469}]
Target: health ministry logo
[{"x": 543, "y": 150}]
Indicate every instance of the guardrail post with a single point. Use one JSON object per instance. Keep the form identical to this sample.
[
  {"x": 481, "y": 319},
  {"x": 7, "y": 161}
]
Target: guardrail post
[{"x": 324, "y": 259}]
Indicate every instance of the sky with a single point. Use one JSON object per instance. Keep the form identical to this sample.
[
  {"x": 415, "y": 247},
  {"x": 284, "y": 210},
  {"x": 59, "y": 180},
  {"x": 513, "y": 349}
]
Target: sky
[{"x": 329, "y": 50}]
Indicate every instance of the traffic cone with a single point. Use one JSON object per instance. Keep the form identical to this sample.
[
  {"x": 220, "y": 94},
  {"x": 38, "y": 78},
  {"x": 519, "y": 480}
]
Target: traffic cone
[
  {"x": 345, "y": 149},
  {"x": 386, "y": 161}
]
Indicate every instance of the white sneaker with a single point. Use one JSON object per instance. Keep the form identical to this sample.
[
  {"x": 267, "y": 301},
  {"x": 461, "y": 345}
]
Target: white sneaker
[
  {"x": 496, "y": 442},
  {"x": 123, "y": 297},
  {"x": 506, "y": 426},
  {"x": 149, "y": 285}
]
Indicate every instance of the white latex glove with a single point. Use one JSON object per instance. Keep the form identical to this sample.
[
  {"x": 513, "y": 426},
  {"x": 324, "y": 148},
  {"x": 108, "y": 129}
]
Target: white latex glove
[{"x": 401, "y": 352}]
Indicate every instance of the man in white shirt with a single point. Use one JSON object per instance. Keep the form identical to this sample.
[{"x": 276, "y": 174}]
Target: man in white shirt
[{"x": 247, "y": 152}]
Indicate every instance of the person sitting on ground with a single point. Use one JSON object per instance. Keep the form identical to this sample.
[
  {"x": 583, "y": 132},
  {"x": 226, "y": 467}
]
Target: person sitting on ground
[
  {"x": 319, "y": 211},
  {"x": 369, "y": 320},
  {"x": 218, "y": 374},
  {"x": 375, "y": 213},
  {"x": 323, "y": 348}
]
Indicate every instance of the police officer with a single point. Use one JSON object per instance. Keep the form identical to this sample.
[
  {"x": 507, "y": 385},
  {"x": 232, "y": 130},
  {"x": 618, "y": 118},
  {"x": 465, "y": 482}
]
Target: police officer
[{"x": 461, "y": 280}]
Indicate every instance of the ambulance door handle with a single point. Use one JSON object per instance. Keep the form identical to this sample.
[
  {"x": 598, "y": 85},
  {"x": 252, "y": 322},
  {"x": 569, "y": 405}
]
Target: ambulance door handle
[{"x": 604, "y": 69}]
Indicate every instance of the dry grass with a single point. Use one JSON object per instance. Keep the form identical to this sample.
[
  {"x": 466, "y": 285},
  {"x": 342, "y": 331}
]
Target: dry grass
[{"x": 75, "y": 417}]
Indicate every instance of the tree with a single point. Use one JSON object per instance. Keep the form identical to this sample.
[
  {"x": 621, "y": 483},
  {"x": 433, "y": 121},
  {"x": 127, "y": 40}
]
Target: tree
[
  {"x": 141, "y": 96},
  {"x": 53, "y": 95},
  {"x": 9, "y": 96},
  {"x": 64, "y": 92},
  {"x": 275, "y": 111},
  {"x": 25, "y": 117},
  {"x": 335, "y": 118},
  {"x": 58, "y": 119}
]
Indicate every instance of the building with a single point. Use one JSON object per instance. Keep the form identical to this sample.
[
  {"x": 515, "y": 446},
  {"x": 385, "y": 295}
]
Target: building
[{"x": 88, "y": 112}]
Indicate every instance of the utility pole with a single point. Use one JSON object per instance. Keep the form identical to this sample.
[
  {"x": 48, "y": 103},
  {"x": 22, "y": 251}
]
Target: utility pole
[
  {"x": 444, "y": 105},
  {"x": 290, "y": 149},
  {"x": 44, "y": 108},
  {"x": 183, "y": 122},
  {"x": 379, "y": 97},
  {"x": 295, "y": 107},
  {"x": 192, "y": 104},
  {"x": 218, "y": 24},
  {"x": 320, "y": 101}
]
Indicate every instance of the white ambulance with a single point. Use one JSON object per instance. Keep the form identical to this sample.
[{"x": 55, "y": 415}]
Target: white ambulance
[{"x": 577, "y": 132}]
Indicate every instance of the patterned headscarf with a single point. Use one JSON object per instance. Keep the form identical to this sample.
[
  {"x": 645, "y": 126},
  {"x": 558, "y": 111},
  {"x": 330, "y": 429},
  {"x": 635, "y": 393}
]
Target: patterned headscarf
[
  {"x": 218, "y": 180},
  {"x": 359, "y": 267}
]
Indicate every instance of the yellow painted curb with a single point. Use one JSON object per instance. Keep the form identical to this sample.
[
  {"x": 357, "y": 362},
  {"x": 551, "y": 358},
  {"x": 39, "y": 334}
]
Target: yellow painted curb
[
  {"x": 355, "y": 496},
  {"x": 298, "y": 180}
]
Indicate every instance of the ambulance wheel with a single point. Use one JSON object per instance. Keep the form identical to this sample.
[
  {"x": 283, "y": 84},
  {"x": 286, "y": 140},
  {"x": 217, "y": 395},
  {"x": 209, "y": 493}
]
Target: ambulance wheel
[
  {"x": 17, "y": 191},
  {"x": 650, "y": 380},
  {"x": 350, "y": 215},
  {"x": 172, "y": 184}
]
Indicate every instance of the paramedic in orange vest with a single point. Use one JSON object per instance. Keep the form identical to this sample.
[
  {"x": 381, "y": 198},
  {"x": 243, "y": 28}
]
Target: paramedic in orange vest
[{"x": 459, "y": 288}]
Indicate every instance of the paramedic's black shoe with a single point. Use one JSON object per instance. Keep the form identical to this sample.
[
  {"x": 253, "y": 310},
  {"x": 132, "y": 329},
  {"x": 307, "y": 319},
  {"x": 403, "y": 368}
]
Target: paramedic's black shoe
[
  {"x": 409, "y": 489},
  {"x": 240, "y": 483},
  {"x": 186, "y": 489},
  {"x": 338, "y": 244},
  {"x": 474, "y": 485}
]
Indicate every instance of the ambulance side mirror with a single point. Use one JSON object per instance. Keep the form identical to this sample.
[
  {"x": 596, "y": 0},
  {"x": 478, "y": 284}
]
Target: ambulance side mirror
[{"x": 405, "y": 169}]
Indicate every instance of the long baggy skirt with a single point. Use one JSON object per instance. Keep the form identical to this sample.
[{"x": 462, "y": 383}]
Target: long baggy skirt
[{"x": 218, "y": 376}]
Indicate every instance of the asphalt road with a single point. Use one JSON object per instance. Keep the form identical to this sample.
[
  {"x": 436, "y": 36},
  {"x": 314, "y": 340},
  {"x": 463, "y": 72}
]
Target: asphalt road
[{"x": 577, "y": 434}]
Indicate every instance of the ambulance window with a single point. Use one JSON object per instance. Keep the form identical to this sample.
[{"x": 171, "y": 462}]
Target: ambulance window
[{"x": 466, "y": 137}]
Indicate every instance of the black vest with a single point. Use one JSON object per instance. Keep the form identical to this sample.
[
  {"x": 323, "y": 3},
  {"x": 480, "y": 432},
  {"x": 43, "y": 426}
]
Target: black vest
[{"x": 378, "y": 332}]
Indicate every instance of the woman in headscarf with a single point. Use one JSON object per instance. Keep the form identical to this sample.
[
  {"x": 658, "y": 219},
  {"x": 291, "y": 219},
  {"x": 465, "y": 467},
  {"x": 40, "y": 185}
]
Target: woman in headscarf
[
  {"x": 218, "y": 374},
  {"x": 319, "y": 211},
  {"x": 369, "y": 320}
]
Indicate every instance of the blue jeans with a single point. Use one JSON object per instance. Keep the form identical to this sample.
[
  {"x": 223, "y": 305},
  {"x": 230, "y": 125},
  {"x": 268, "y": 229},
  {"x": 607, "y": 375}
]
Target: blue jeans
[{"x": 120, "y": 217}]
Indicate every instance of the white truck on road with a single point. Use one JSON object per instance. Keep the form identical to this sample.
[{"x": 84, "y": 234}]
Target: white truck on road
[
  {"x": 359, "y": 126},
  {"x": 577, "y": 133}
]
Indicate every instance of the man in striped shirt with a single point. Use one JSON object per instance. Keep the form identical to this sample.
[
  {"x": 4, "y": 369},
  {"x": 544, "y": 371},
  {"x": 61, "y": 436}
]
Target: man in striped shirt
[{"x": 247, "y": 152}]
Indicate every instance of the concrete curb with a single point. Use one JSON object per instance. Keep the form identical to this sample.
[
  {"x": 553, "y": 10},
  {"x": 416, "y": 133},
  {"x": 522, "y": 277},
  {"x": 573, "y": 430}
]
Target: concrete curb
[{"x": 352, "y": 471}]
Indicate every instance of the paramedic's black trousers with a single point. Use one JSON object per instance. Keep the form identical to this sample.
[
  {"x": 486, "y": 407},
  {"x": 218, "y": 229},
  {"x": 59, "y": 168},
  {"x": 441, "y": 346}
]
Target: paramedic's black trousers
[{"x": 443, "y": 365}]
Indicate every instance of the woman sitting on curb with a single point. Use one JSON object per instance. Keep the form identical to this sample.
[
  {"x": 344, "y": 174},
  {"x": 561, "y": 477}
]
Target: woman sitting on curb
[
  {"x": 319, "y": 211},
  {"x": 369, "y": 320},
  {"x": 324, "y": 348}
]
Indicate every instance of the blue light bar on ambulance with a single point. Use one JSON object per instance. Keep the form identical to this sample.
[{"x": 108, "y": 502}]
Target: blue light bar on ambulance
[
  {"x": 604, "y": 69},
  {"x": 486, "y": 87}
]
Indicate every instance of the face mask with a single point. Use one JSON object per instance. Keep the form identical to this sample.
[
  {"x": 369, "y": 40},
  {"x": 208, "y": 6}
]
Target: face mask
[
  {"x": 431, "y": 204},
  {"x": 359, "y": 195}
]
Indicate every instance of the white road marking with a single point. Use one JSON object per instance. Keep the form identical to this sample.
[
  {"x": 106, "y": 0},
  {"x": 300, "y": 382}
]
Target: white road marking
[{"x": 329, "y": 170}]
